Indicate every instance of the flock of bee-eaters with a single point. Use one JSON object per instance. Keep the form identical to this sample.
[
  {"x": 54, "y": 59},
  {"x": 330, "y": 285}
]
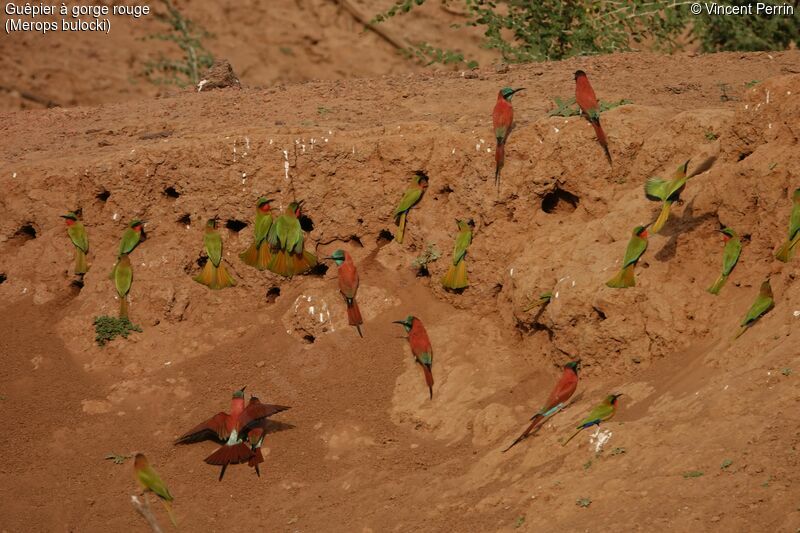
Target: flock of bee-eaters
[{"x": 279, "y": 246}]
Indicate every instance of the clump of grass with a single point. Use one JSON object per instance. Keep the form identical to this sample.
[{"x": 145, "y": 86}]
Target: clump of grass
[
  {"x": 692, "y": 474},
  {"x": 427, "y": 257},
  {"x": 107, "y": 328},
  {"x": 568, "y": 108},
  {"x": 118, "y": 459},
  {"x": 583, "y": 502},
  {"x": 711, "y": 136},
  {"x": 725, "y": 464}
]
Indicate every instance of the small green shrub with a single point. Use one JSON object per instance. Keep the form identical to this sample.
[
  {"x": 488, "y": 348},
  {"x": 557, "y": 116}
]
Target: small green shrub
[
  {"x": 107, "y": 328},
  {"x": 427, "y": 257}
]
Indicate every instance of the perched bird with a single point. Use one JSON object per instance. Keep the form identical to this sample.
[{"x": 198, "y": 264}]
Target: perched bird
[
  {"x": 130, "y": 240},
  {"x": 562, "y": 392},
  {"x": 456, "y": 277},
  {"x": 123, "y": 278},
  {"x": 420, "y": 346},
  {"x": 289, "y": 256},
  {"x": 667, "y": 192},
  {"x": 502, "y": 121},
  {"x": 786, "y": 251},
  {"x": 258, "y": 254},
  {"x": 730, "y": 255},
  {"x": 760, "y": 307},
  {"x": 77, "y": 234},
  {"x": 214, "y": 274},
  {"x": 231, "y": 429},
  {"x": 602, "y": 412},
  {"x": 348, "y": 286},
  {"x": 150, "y": 481},
  {"x": 410, "y": 198},
  {"x": 636, "y": 247},
  {"x": 587, "y": 101}
]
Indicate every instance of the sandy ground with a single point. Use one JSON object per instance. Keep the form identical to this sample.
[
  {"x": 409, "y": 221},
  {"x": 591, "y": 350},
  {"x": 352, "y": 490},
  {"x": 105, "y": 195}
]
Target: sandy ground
[{"x": 362, "y": 448}]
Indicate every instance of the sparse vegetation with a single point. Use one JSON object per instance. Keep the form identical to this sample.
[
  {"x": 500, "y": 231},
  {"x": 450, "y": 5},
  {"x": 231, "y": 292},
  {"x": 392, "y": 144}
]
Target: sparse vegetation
[
  {"x": 583, "y": 502},
  {"x": 726, "y": 463},
  {"x": 118, "y": 459},
  {"x": 427, "y": 257},
  {"x": 692, "y": 474},
  {"x": 564, "y": 107},
  {"x": 618, "y": 451},
  {"x": 524, "y": 31},
  {"x": 188, "y": 36},
  {"x": 107, "y": 328},
  {"x": 711, "y": 136},
  {"x": 518, "y": 522}
]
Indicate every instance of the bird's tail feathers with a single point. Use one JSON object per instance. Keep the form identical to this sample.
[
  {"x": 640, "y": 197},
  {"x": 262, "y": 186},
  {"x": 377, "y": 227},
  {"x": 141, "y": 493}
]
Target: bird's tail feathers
[
  {"x": 573, "y": 436},
  {"x": 250, "y": 256},
  {"x": 601, "y": 138},
  {"x": 401, "y": 227},
  {"x": 499, "y": 160},
  {"x": 786, "y": 251},
  {"x": 207, "y": 275},
  {"x": 663, "y": 216},
  {"x": 717, "y": 286},
  {"x": 168, "y": 508},
  {"x": 456, "y": 277},
  {"x": 354, "y": 313},
  {"x": 81, "y": 266},
  {"x": 123, "y": 307},
  {"x": 222, "y": 279},
  {"x": 428, "y": 378},
  {"x": 623, "y": 279}
]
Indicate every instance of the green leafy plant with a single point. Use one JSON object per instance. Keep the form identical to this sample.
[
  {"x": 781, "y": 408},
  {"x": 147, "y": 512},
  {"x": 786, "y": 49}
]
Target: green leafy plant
[
  {"x": 107, "y": 328},
  {"x": 427, "y": 257},
  {"x": 786, "y": 371},
  {"x": 692, "y": 474},
  {"x": 617, "y": 451},
  {"x": 426, "y": 54},
  {"x": 188, "y": 36},
  {"x": 583, "y": 502},
  {"x": 518, "y": 522},
  {"x": 523, "y": 31},
  {"x": 564, "y": 107},
  {"x": 725, "y": 464},
  {"x": 711, "y": 136},
  {"x": 751, "y": 83},
  {"x": 587, "y": 465}
]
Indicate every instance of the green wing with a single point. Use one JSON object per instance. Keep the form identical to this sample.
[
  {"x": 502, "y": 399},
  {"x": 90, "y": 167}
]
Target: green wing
[
  {"x": 604, "y": 411},
  {"x": 77, "y": 234},
  {"x": 279, "y": 232},
  {"x": 656, "y": 189},
  {"x": 123, "y": 277},
  {"x": 149, "y": 478},
  {"x": 426, "y": 358},
  {"x": 213, "y": 243},
  {"x": 294, "y": 236},
  {"x": 636, "y": 247},
  {"x": 731, "y": 255},
  {"x": 129, "y": 241},
  {"x": 410, "y": 197},
  {"x": 500, "y": 133},
  {"x": 463, "y": 241},
  {"x": 263, "y": 226},
  {"x": 759, "y": 307},
  {"x": 794, "y": 222}
]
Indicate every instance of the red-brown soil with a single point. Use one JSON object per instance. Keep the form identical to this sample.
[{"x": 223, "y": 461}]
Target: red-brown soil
[{"x": 363, "y": 448}]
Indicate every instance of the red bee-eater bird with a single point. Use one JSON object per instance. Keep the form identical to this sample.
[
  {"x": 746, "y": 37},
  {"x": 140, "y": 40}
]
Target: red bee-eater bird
[
  {"x": 587, "y": 101},
  {"x": 231, "y": 428},
  {"x": 348, "y": 286},
  {"x": 562, "y": 392},
  {"x": 257, "y": 428},
  {"x": 502, "y": 121},
  {"x": 420, "y": 346}
]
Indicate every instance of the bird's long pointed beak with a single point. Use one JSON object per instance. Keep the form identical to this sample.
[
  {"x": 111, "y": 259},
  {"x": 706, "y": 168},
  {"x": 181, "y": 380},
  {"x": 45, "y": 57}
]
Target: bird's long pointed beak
[
  {"x": 399, "y": 322},
  {"x": 517, "y": 90}
]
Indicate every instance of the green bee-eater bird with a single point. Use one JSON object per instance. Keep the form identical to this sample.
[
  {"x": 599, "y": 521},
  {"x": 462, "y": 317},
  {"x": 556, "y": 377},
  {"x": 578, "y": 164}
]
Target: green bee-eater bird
[
  {"x": 77, "y": 234},
  {"x": 667, "y": 192},
  {"x": 150, "y": 481},
  {"x": 123, "y": 278},
  {"x": 636, "y": 247},
  {"x": 760, "y": 307},
  {"x": 502, "y": 121},
  {"x": 214, "y": 274},
  {"x": 456, "y": 277},
  {"x": 602, "y": 412},
  {"x": 410, "y": 198},
  {"x": 786, "y": 251},
  {"x": 289, "y": 256},
  {"x": 730, "y": 255},
  {"x": 258, "y": 254},
  {"x": 130, "y": 240}
]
